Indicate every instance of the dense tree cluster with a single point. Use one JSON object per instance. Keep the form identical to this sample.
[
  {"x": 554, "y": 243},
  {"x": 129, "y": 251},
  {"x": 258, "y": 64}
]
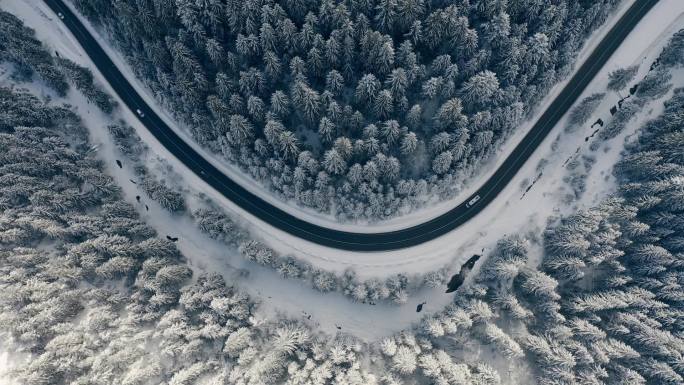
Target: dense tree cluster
[
  {"x": 19, "y": 47},
  {"x": 129, "y": 143},
  {"x": 64, "y": 232},
  {"x": 654, "y": 85},
  {"x": 24, "y": 109},
  {"x": 359, "y": 108},
  {"x": 605, "y": 307},
  {"x": 91, "y": 295},
  {"x": 82, "y": 78},
  {"x": 619, "y": 266},
  {"x": 95, "y": 297}
]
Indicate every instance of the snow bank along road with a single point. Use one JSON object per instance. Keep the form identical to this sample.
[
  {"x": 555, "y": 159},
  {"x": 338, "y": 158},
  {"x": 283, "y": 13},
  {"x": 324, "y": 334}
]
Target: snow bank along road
[{"x": 397, "y": 239}]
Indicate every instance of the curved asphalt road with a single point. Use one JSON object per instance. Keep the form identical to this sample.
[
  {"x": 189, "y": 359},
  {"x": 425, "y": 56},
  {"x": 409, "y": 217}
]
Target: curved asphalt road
[{"x": 340, "y": 239}]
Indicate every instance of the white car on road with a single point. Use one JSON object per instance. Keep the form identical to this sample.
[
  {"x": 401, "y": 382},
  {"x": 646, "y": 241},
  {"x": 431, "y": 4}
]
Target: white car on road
[{"x": 473, "y": 201}]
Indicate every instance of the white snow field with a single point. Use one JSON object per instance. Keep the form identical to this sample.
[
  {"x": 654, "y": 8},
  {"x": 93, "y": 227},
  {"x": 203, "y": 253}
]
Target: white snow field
[
  {"x": 7, "y": 363},
  {"x": 509, "y": 214}
]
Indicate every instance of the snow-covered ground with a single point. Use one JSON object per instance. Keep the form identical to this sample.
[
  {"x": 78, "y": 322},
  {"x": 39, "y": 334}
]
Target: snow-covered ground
[
  {"x": 508, "y": 214},
  {"x": 310, "y": 215},
  {"x": 8, "y": 361},
  {"x": 278, "y": 297},
  {"x": 5, "y": 367}
]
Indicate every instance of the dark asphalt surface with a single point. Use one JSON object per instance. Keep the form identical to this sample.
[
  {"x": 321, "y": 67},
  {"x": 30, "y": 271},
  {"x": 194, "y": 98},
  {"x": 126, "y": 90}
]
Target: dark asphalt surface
[{"x": 340, "y": 239}]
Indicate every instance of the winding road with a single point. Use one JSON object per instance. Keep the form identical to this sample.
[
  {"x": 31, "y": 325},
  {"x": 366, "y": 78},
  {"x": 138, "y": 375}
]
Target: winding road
[{"x": 407, "y": 237}]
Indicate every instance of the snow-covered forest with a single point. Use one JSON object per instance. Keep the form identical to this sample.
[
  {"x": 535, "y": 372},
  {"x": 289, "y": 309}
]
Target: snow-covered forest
[
  {"x": 91, "y": 294},
  {"x": 361, "y": 109},
  {"x": 209, "y": 217}
]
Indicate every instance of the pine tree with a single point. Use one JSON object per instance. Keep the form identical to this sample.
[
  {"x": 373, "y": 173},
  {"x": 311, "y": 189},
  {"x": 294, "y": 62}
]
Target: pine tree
[
  {"x": 480, "y": 89},
  {"x": 326, "y": 129},
  {"x": 334, "y": 82},
  {"x": 409, "y": 143},
  {"x": 442, "y": 162},
  {"x": 289, "y": 145},
  {"x": 619, "y": 78},
  {"x": 581, "y": 113},
  {"x": 383, "y": 105},
  {"x": 450, "y": 116},
  {"x": 280, "y": 103},
  {"x": 404, "y": 360},
  {"x": 333, "y": 162},
  {"x": 240, "y": 131},
  {"x": 367, "y": 88}
]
